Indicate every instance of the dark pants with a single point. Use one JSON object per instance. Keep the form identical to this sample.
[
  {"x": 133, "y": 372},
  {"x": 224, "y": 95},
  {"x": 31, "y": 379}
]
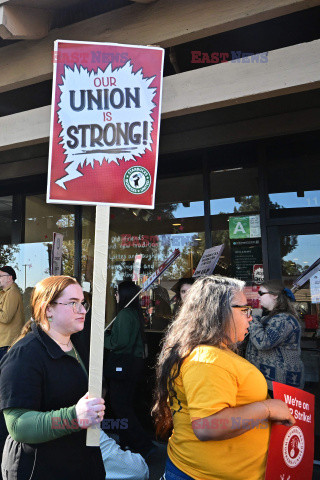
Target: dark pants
[
  {"x": 3, "y": 428},
  {"x": 173, "y": 473},
  {"x": 121, "y": 399}
]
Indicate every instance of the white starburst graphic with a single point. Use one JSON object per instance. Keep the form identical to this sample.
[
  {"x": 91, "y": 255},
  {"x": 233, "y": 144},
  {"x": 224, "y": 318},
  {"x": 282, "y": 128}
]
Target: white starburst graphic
[{"x": 105, "y": 116}]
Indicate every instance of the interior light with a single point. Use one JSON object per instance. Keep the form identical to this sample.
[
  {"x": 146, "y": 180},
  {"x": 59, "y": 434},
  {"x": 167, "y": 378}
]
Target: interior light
[
  {"x": 227, "y": 170},
  {"x": 176, "y": 224}
]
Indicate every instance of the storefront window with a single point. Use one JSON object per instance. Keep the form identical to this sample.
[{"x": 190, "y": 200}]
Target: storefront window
[
  {"x": 301, "y": 199},
  {"x": 293, "y": 177},
  {"x": 5, "y": 222},
  {"x": 298, "y": 253},
  {"x": 31, "y": 260},
  {"x": 42, "y": 220},
  {"x": 88, "y": 230},
  {"x": 176, "y": 222},
  {"x": 235, "y": 217}
]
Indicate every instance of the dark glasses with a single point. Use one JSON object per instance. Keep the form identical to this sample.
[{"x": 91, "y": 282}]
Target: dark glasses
[{"x": 247, "y": 309}]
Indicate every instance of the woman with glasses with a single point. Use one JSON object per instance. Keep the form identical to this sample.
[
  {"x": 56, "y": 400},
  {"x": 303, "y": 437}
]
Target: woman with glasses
[
  {"x": 274, "y": 341},
  {"x": 214, "y": 400},
  {"x": 43, "y": 391}
]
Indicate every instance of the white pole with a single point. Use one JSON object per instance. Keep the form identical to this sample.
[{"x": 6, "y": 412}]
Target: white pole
[{"x": 100, "y": 266}]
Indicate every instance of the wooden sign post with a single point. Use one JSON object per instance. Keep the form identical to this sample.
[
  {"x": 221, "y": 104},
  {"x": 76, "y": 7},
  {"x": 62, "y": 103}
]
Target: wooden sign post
[{"x": 100, "y": 268}]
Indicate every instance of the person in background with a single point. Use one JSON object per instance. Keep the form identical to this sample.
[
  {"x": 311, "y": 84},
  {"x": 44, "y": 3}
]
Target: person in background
[
  {"x": 181, "y": 288},
  {"x": 11, "y": 323},
  {"x": 274, "y": 341},
  {"x": 43, "y": 391},
  {"x": 11, "y": 309},
  {"x": 121, "y": 464},
  {"x": 215, "y": 401},
  {"x": 126, "y": 343}
]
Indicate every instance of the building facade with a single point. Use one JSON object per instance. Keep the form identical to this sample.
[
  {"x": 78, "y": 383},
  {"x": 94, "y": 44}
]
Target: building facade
[{"x": 238, "y": 145}]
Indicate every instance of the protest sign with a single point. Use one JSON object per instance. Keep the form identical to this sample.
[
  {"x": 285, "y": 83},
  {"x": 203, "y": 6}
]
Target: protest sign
[
  {"x": 105, "y": 122},
  {"x": 305, "y": 276},
  {"x": 56, "y": 255},
  {"x": 147, "y": 284},
  {"x": 315, "y": 288},
  {"x": 208, "y": 261},
  {"x": 163, "y": 267},
  {"x": 291, "y": 448},
  {"x": 136, "y": 268}
]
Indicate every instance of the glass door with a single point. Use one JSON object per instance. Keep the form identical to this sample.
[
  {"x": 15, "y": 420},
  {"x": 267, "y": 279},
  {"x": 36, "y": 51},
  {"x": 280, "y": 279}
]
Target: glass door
[{"x": 299, "y": 249}]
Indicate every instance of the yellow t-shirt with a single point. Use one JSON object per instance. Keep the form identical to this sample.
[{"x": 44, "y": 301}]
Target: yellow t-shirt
[{"x": 210, "y": 380}]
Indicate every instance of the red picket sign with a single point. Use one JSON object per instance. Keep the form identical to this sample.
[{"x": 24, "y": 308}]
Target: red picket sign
[
  {"x": 291, "y": 449},
  {"x": 105, "y": 124}
]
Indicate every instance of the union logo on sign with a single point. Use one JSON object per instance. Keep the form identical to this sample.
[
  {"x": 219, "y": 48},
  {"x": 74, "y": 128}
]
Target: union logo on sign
[
  {"x": 293, "y": 447},
  {"x": 137, "y": 180}
]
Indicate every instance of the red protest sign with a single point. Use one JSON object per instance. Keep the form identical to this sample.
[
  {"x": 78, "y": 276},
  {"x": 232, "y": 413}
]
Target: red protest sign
[
  {"x": 105, "y": 121},
  {"x": 291, "y": 449}
]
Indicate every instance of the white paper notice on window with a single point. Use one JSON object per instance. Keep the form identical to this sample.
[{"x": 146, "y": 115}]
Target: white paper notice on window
[
  {"x": 315, "y": 288},
  {"x": 208, "y": 261}
]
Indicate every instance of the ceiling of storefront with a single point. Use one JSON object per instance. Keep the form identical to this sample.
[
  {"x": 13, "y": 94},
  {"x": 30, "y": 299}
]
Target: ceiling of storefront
[{"x": 273, "y": 34}]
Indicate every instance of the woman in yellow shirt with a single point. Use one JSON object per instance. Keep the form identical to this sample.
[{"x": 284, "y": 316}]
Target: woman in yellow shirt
[{"x": 218, "y": 407}]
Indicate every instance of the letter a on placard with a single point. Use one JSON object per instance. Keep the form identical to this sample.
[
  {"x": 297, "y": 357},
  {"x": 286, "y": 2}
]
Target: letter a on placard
[{"x": 239, "y": 228}]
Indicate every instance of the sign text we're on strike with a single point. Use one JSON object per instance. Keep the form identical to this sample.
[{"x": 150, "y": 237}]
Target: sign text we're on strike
[
  {"x": 301, "y": 410},
  {"x": 290, "y": 454}
]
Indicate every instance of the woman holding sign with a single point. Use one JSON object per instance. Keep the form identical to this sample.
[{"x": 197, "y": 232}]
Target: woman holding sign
[
  {"x": 43, "y": 385},
  {"x": 218, "y": 406},
  {"x": 274, "y": 342}
]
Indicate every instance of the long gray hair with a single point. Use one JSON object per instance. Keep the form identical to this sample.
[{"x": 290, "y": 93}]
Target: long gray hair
[{"x": 205, "y": 318}]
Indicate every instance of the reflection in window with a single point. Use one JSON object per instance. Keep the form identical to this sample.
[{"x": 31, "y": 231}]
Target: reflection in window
[
  {"x": 234, "y": 193},
  {"x": 31, "y": 264},
  {"x": 43, "y": 219},
  {"x": 5, "y": 219},
  {"x": 88, "y": 231},
  {"x": 176, "y": 222},
  {"x": 298, "y": 253},
  {"x": 249, "y": 203},
  {"x": 302, "y": 199}
]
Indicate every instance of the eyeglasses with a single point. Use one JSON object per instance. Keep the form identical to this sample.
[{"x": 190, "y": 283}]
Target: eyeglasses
[
  {"x": 76, "y": 306},
  {"x": 262, "y": 293},
  {"x": 247, "y": 309}
]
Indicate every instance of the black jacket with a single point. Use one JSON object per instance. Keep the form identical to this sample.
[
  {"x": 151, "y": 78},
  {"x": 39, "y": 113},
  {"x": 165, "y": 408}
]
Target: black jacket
[{"x": 36, "y": 374}]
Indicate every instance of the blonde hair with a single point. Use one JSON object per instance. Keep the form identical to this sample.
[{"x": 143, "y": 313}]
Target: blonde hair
[{"x": 44, "y": 293}]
